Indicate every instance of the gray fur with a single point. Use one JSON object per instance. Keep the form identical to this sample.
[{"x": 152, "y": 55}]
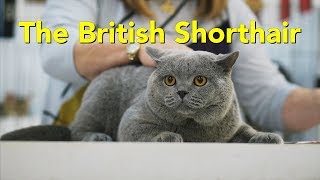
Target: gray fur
[{"x": 134, "y": 104}]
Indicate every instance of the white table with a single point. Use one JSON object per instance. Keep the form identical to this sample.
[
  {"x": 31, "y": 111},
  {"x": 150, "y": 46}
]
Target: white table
[{"x": 153, "y": 161}]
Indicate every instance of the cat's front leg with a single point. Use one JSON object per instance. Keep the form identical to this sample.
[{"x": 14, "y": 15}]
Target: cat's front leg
[
  {"x": 94, "y": 136},
  {"x": 145, "y": 132},
  {"x": 264, "y": 137},
  {"x": 246, "y": 134},
  {"x": 168, "y": 137}
]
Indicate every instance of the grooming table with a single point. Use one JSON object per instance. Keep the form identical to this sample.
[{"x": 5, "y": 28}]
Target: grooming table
[{"x": 157, "y": 161}]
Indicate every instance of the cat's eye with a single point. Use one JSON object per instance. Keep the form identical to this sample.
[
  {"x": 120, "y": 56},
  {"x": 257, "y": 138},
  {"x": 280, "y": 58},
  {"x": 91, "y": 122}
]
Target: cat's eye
[
  {"x": 200, "y": 81},
  {"x": 170, "y": 80}
]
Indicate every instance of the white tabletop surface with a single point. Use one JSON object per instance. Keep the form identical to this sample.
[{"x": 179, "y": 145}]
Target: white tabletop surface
[{"x": 153, "y": 161}]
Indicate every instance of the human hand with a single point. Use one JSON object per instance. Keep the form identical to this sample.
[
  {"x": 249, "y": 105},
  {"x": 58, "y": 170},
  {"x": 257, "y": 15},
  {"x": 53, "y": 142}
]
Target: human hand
[{"x": 92, "y": 59}]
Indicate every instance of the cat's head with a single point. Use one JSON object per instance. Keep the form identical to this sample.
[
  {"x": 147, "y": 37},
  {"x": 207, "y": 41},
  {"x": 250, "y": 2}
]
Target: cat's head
[{"x": 190, "y": 84}]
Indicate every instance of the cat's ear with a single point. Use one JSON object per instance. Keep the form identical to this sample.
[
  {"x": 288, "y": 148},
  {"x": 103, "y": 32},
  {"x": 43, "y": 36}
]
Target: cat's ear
[
  {"x": 226, "y": 61},
  {"x": 155, "y": 53}
]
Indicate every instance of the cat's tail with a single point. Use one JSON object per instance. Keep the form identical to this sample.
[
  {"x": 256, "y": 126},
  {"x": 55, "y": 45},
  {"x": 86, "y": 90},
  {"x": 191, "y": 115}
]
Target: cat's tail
[{"x": 39, "y": 133}]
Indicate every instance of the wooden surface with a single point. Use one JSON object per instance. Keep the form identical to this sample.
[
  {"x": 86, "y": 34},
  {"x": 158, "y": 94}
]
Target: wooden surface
[{"x": 152, "y": 161}]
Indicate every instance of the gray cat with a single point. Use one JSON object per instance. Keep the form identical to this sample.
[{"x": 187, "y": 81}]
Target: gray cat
[{"x": 189, "y": 97}]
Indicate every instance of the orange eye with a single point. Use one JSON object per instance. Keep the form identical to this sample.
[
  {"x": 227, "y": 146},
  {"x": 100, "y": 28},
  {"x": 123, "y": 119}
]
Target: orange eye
[
  {"x": 200, "y": 81},
  {"x": 170, "y": 80}
]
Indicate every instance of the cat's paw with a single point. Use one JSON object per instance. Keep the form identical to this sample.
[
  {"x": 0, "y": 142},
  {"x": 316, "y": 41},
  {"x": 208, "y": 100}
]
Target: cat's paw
[
  {"x": 269, "y": 138},
  {"x": 96, "y": 137},
  {"x": 168, "y": 137}
]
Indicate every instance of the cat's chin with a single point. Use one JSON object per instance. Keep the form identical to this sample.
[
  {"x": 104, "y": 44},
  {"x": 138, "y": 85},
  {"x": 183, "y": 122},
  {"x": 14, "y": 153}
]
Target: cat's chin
[{"x": 185, "y": 110}]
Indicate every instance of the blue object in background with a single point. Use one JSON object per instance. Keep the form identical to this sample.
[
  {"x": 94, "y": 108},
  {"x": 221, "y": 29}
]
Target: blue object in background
[
  {"x": 7, "y": 17},
  {"x": 1, "y": 18}
]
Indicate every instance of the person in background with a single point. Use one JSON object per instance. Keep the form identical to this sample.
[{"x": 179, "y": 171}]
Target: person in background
[{"x": 265, "y": 96}]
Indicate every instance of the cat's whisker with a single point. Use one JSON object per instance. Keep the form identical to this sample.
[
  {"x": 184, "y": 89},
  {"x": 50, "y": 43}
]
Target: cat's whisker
[
  {"x": 169, "y": 97},
  {"x": 194, "y": 104},
  {"x": 169, "y": 100},
  {"x": 170, "y": 104},
  {"x": 197, "y": 100}
]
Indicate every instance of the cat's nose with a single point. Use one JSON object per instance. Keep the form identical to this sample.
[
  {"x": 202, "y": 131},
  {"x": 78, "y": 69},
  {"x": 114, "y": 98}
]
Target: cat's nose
[{"x": 182, "y": 94}]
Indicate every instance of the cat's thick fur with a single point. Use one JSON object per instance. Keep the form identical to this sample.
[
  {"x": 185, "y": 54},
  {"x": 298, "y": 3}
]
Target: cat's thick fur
[{"x": 135, "y": 104}]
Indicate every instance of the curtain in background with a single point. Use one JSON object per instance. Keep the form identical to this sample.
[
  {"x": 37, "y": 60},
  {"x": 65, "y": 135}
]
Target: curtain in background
[
  {"x": 20, "y": 64},
  {"x": 21, "y": 73}
]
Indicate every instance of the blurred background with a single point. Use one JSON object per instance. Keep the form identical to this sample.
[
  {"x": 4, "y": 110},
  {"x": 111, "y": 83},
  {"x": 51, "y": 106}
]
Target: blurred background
[{"x": 23, "y": 83}]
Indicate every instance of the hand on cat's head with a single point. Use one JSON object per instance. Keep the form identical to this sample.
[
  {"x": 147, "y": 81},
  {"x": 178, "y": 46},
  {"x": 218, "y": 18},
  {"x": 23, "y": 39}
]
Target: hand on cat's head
[{"x": 191, "y": 82}]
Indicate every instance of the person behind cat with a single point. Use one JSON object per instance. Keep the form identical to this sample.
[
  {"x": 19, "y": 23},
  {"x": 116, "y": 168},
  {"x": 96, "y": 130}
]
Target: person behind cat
[{"x": 270, "y": 101}]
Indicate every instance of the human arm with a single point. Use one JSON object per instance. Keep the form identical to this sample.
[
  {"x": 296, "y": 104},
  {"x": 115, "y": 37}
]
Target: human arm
[
  {"x": 58, "y": 59},
  {"x": 301, "y": 109},
  {"x": 92, "y": 59},
  {"x": 270, "y": 101},
  {"x": 74, "y": 62}
]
